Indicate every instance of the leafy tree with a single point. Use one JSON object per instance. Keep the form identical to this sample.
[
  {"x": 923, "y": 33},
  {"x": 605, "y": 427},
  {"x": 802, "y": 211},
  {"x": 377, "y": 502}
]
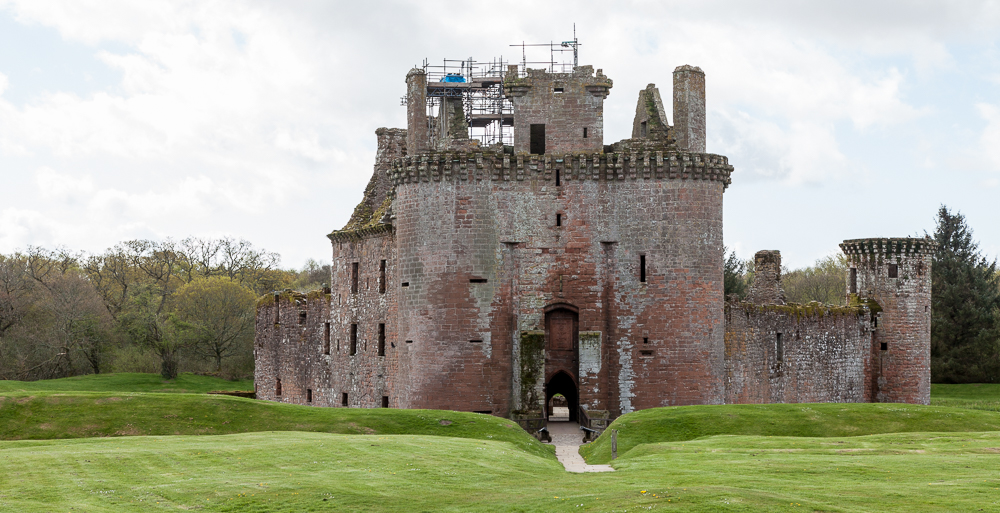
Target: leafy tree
[
  {"x": 734, "y": 275},
  {"x": 965, "y": 298},
  {"x": 823, "y": 282},
  {"x": 143, "y": 321},
  {"x": 220, "y": 314}
]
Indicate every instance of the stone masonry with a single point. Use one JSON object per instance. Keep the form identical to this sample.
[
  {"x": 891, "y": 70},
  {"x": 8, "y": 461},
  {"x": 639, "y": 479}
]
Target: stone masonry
[{"x": 489, "y": 279}]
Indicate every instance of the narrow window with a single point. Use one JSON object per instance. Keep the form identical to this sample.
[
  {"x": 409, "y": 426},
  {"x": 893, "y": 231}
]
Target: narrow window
[
  {"x": 476, "y": 341},
  {"x": 646, "y": 354},
  {"x": 343, "y": 399},
  {"x": 381, "y": 339},
  {"x": 354, "y": 339},
  {"x": 894, "y": 270},
  {"x": 381, "y": 277},
  {"x": 409, "y": 341},
  {"x": 645, "y": 340},
  {"x": 302, "y": 317},
  {"x": 559, "y": 89},
  {"x": 309, "y": 395},
  {"x": 537, "y": 140},
  {"x": 558, "y": 181},
  {"x": 385, "y": 401},
  {"x": 854, "y": 280},
  {"x": 779, "y": 351},
  {"x": 642, "y": 129},
  {"x": 478, "y": 280},
  {"x": 354, "y": 278},
  {"x": 584, "y": 132},
  {"x": 642, "y": 268},
  {"x": 326, "y": 338},
  {"x": 277, "y": 387},
  {"x": 885, "y": 346},
  {"x": 405, "y": 284},
  {"x": 558, "y": 219}
]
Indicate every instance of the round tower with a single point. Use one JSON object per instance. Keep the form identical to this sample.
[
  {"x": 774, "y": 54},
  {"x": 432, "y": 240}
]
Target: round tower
[{"x": 895, "y": 273}]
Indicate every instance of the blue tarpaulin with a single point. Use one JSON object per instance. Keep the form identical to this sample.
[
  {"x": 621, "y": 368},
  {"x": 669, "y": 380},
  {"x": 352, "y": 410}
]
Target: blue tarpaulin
[{"x": 453, "y": 77}]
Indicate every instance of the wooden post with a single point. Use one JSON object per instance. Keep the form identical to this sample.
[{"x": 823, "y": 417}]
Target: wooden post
[{"x": 614, "y": 444}]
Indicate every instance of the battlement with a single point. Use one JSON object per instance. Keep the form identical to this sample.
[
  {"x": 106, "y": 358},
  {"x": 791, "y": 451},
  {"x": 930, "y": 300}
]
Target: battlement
[
  {"x": 610, "y": 167},
  {"x": 899, "y": 246}
]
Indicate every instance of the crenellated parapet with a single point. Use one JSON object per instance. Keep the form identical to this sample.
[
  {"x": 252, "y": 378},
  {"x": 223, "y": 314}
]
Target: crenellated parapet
[
  {"x": 898, "y": 246},
  {"x": 610, "y": 167}
]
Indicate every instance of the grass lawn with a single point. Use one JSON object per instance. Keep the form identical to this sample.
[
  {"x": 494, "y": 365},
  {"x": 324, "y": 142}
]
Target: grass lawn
[
  {"x": 295, "y": 471},
  {"x": 128, "y": 382},
  {"x": 65, "y": 447}
]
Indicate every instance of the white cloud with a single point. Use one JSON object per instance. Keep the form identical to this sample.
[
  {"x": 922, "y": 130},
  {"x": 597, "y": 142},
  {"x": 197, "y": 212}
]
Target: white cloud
[{"x": 990, "y": 138}]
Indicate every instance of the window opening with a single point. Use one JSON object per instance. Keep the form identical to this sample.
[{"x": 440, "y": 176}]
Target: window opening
[
  {"x": 642, "y": 268},
  {"x": 584, "y": 132},
  {"x": 405, "y": 284},
  {"x": 646, "y": 353},
  {"x": 559, "y": 90},
  {"x": 277, "y": 387},
  {"x": 309, "y": 395},
  {"x": 385, "y": 401},
  {"x": 779, "y": 351},
  {"x": 894, "y": 270},
  {"x": 343, "y": 399},
  {"x": 854, "y": 280},
  {"x": 885, "y": 346},
  {"x": 558, "y": 219},
  {"x": 478, "y": 280},
  {"x": 381, "y": 339},
  {"x": 642, "y": 129},
  {"x": 381, "y": 277},
  {"x": 645, "y": 340},
  {"x": 537, "y": 140},
  {"x": 476, "y": 341},
  {"x": 302, "y": 317},
  {"x": 326, "y": 338},
  {"x": 354, "y": 339},
  {"x": 409, "y": 341},
  {"x": 558, "y": 181},
  {"x": 354, "y": 278}
]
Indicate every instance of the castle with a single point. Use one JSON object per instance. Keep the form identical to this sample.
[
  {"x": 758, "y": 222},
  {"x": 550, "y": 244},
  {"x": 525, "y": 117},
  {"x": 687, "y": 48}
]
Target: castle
[{"x": 489, "y": 277}]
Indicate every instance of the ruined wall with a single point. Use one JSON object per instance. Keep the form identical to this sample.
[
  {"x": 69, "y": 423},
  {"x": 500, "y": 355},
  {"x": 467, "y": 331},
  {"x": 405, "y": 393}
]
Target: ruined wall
[
  {"x": 796, "y": 353},
  {"x": 487, "y": 241},
  {"x": 288, "y": 346},
  {"x": 896, "y": 274},
  {"x": 376, "y": 203},
  {"x": 650, "y": 120},
  {"x": 566, "y": 103}
]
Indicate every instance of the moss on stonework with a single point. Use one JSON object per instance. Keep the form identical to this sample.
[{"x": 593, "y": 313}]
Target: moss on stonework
[
  {"x": 290, "y": 296},
  {"x": 808, "y": 310},
  {"x": 532, "y": 364},
  {"x": 857, "y": 301}
]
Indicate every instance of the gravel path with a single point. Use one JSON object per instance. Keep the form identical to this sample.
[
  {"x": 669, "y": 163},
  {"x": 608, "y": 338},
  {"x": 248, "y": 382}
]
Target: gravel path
[{"x": 567, "y": 437}]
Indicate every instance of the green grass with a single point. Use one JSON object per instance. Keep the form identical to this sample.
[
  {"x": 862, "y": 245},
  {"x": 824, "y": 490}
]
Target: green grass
[
  {"x": 128, "y": 382},
  {"x": 977, "y": 396},
  {"x": 54, "y": 415},
  {"x": 295, "y": 471},
  {"x": 806, "y": 420}
]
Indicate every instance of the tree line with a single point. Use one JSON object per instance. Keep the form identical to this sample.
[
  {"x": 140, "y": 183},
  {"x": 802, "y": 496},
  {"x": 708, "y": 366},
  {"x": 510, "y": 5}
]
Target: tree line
[
  {"x": 965, "y": 299},
  {"x": 140, "y": 306}
]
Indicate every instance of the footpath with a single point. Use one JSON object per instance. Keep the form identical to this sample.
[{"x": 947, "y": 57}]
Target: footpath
[{"x": 567, "y": 437}]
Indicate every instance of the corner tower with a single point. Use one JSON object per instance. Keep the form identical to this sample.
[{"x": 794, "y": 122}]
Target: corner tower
[{"x": 895, "y": 273}]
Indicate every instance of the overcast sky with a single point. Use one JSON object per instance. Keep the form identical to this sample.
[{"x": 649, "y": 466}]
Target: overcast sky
[{"x": 154, "y": 119}]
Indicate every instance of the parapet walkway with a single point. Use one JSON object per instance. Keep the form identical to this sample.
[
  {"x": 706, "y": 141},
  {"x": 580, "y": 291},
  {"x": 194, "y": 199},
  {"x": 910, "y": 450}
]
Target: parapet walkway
[{"x": 567, "y": 437}]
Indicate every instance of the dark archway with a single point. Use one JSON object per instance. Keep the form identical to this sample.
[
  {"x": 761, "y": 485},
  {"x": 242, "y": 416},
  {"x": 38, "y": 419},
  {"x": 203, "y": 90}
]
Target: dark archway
[{"x": 563, "y": 383}]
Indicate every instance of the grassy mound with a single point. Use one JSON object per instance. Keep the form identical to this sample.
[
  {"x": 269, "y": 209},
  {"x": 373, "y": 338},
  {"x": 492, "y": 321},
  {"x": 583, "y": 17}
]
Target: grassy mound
[
  {"x": 128, "y": 382},
  {"x": 296, "y": 471},
  {"x": 798, "y": 420},
  {"x": 50, "y": 415}
]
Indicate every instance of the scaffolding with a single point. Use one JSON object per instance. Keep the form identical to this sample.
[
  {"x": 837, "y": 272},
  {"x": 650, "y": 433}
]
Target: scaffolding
[{"x": 488, "y": 112}]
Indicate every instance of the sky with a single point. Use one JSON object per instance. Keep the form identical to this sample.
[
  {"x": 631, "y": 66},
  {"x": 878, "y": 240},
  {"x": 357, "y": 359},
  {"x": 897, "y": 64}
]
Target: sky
[{"x": 168, "y": 119}]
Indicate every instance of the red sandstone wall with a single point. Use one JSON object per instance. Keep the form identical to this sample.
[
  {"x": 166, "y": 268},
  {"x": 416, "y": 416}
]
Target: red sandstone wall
[
  {"x": 289, "y": 347},
  {"x": 901, "y": 372}
]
